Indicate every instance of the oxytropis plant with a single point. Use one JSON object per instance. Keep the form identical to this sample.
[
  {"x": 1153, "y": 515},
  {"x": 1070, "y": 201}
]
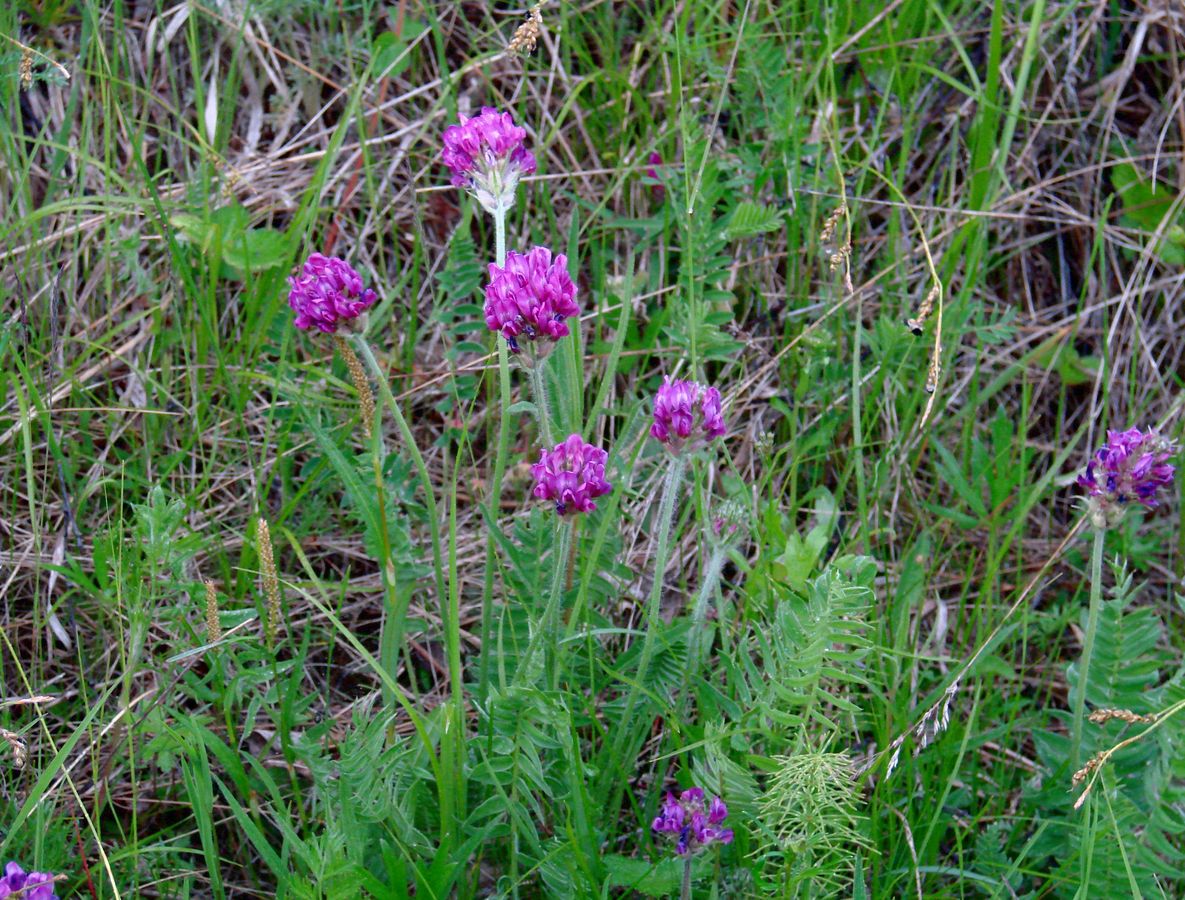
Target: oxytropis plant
[
  {"x": 530, "y": 306},
  {"x": 694, "y": 824},
  {"x": 1131, "y": 468}
]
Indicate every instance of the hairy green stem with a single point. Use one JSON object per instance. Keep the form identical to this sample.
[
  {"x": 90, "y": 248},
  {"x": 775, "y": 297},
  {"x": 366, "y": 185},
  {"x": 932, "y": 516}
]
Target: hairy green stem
[
  {"x": 1092, "y": 625},
  {"x": 501, "y": 449},
  {"x": 666, "y": 515},
  {"x": 417, "y": 458},
  {"x": 547, "y": 629},
  {"x": 698, "y": 641},
  {"x": 685, "y": 891},
  {"x": 542, "y": 412}
]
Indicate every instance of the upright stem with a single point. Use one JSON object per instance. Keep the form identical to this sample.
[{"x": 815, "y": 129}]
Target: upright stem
[
  {"x": 685, "y": 892},
  {"x": 698, "y": 641},
  {"x": 500, "y": 452},
  {"x": 547, "y": 630},
  {"x": 500, "y": 235},
  {"x": 543, "y": 412},
  {"x": 1092, "y": 625},
  {"x": 666, "y": 513}
]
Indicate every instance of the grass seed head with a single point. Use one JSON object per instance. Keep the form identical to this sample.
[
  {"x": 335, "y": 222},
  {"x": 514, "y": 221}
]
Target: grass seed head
[
  {"x": 361, "y": 382},
  {"x": 527, "y": 34},
  {"x": 829, "y": 225},
  {"x": 1103, "y": 716},
  {"x": 20, "y": 752},
  {"x": 26, "y": 69},
  {"x": 213, "y": 626},
  {"x": 271, "y": 582}
]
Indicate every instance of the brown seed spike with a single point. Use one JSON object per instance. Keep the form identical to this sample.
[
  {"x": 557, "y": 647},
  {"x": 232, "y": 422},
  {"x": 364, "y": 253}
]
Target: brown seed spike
[
  {"x": 361, "y": 382},
  {"x": 828, "y": 231},
  {"x": 1103, "y": 716},
  {"x": 527, "y": 34},
  {"x": 25, "y": 69},
  {"x": 271, "y": 582},
  {"x": 213, "y": 626}
]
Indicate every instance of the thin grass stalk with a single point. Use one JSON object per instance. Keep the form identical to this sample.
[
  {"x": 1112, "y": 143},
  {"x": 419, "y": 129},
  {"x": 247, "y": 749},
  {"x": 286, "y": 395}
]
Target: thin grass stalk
[
  {"x": 1092, "y": 625},
  {"x": 501, "y": 450}
]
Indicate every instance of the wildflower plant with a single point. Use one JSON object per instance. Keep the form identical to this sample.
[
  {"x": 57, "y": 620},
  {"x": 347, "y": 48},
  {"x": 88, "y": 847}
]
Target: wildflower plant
[
  {"x": 1132, "y": 467},
  {"x": 329, "y": 296},
  {"x": 685, "y": 415},
  {"x": 571, "y": 475},
  {"x": 694, "y": 824},
  {"x": 529, "y": 299}
]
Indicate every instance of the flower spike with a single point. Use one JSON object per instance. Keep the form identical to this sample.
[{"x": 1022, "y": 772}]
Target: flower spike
[
  {"x": 1132, "y": 465},
  {"x": 572, "y": 475},
  {"x": 487, "y": 157},
  {"x": 686, "y": 413},
  {"x": 691, "y": 822},
  {"x": 529, "y": 299},
  {"x": 327, "y": 294}
]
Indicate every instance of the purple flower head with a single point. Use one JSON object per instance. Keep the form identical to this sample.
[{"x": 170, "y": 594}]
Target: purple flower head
[
  {"x": 530, "y": 298},
  {"x": 26, "y": 885},
  {"x": 1132, "y": 466},
  {"x": 683, "y": 410},
  {"x": 572, "y": 475},
  {"x": 328, "y": 293},
  {"x": 487, "y": 157},
  {"x": 691, "y": 822}
]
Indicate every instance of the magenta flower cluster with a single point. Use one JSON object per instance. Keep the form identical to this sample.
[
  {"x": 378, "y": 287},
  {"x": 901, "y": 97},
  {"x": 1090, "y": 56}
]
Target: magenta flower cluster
[
  {"x": 328, "y": 293},
  {"x": 572, "y": 475},
  {"x": 530, "y": 297},
  {"x": 17, "y": 883},
  {"x": 692, "y": 823},
  {"x": 1132, "y": 465},
  {"x": 487, "y": 157},
  {"x": 686, "y": 410}
]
